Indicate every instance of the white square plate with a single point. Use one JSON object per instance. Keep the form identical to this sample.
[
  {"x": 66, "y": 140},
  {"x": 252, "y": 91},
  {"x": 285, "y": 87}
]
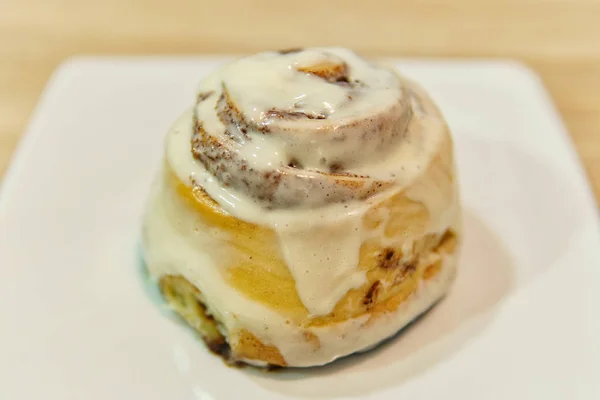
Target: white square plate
[{"x": 78, "y": 322}]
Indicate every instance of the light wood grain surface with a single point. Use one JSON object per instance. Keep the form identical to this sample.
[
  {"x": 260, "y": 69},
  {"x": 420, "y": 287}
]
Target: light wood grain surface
[{"x": 560, "y": 39}]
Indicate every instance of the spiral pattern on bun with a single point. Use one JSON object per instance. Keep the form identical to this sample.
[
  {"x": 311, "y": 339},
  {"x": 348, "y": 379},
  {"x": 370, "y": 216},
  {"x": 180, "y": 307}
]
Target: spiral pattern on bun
[{"x": 310, "y": 145}]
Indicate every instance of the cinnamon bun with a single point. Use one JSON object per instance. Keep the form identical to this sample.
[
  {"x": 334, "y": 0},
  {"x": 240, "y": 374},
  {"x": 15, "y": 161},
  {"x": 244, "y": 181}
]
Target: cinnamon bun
[{"x": 307, "y": 207}]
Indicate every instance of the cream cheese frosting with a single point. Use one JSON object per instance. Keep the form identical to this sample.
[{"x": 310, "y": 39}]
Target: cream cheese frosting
[{"x": 175, "y": 240}]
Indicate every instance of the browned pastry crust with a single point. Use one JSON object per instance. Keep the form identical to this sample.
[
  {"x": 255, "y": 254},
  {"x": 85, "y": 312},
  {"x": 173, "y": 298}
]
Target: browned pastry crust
[{"x": 187, "y": 301}]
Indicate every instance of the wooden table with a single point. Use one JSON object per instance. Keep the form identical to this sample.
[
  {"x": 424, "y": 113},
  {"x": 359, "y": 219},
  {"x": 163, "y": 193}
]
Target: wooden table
[{"x": 560, "y": 39}]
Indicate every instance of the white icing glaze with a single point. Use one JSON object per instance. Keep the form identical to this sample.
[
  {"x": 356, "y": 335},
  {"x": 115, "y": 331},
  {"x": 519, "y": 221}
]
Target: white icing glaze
[
  {"x": 320, "y": 245},
  {"x": 322, "y": 258},
  {"x": 270, "y": 80},
  {"x": 175, "y": 242}
]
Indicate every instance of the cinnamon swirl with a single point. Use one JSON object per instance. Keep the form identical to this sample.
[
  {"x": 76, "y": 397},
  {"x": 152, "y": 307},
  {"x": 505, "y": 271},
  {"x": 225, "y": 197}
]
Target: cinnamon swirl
[{"x": 307, "y": 207}]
